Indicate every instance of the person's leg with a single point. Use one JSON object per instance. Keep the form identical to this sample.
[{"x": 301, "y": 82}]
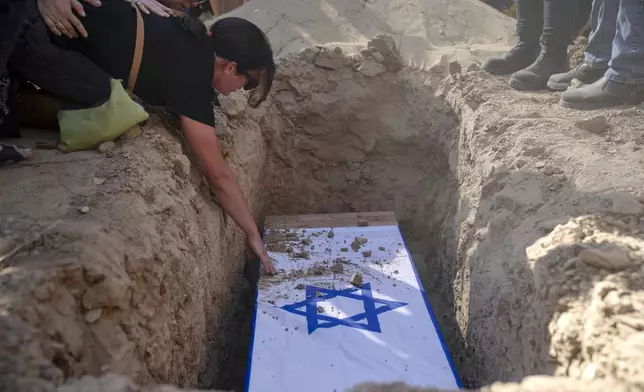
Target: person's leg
[
  {"x": 12, "y": 15},
  {"x": 63, "y": 73},
  {"x": 598, "y": 51},
  {"x": 604, "y": 25},
  {"x": 623, "y": 83},
  {"x": 529, "y": 26},
  {"x": 557, "y": 33}
]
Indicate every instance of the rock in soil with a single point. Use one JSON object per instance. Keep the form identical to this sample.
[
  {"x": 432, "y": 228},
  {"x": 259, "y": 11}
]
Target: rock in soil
[
  {"x": 596, "y": 125},
  {"x": 608, "y": 257},
  {"x": 93, "y": 315}
]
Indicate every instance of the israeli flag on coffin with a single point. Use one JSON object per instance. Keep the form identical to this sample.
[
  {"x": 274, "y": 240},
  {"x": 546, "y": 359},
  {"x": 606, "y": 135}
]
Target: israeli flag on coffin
[{"x": 340, "y": 314}]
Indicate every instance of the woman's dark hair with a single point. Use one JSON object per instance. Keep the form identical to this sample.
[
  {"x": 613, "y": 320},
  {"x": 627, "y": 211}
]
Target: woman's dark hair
[{"x": 238, "y": 40}]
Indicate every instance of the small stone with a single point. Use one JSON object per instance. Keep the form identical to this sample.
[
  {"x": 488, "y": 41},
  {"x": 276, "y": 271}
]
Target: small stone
[
  {"x": 596, "y": 125},
  {"x": 382, "y": 249},
  {"x": 363, "y": 223},
  {"x": 328, "y": 59},
  {"x": 106, "y": 147},
  {"x": 337, "y": 268},
  {"x": 366, "y": 52},
  {"x": 84, "y": 209},
  {"x": 331, "y": 234},
  {"x": 395, "y": 272},
  {"x": 300, "y": 286},
  {"x": 609, "y": 257},
  {"x": 307, "y": 241},
  {"x": 366, "y": 253},
  {"x": 356, "y": 279},
  {"x": 270, "y": 301},
  {"x": 93, "y": 315},
  {"x": 454, "y": 68},
  {"x": 378, "y": 57},
  {"x": 355, "y": 245},
  {"x": 99, "y": 181},
  {"x": 320, "y": 309},
  {"x": 550, "y": 170},
  {"x": 361, "y": 240},
  {"x": 344, "y": 249},
  {"x": 540, "y": 164}
]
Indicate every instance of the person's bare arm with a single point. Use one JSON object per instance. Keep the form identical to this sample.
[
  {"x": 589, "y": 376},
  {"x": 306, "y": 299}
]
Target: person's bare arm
[{"x": 205, "y": 146}]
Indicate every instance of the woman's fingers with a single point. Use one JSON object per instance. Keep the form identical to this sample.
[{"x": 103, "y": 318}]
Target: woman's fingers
[
  {"x": 67, "y": 28},
  {"x": 94, "y": 3},
  {"x": 78, "y": 7},
  {"x": 143, "y": 8},
  {"x": 52, "y": 26},
  {"x": 78, "y": 25}
]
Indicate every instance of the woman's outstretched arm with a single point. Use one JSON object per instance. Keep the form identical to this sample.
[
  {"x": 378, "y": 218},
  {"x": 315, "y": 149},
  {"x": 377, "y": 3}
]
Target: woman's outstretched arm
[{"x": 205, "y": 146}]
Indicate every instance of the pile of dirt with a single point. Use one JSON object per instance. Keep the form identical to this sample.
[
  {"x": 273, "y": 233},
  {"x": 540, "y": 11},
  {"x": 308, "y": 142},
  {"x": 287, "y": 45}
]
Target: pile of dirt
[
  {"x": 141, "y": 276},
  {"x": 426, "y": 31},
  {"x": 525, "y": 219}
]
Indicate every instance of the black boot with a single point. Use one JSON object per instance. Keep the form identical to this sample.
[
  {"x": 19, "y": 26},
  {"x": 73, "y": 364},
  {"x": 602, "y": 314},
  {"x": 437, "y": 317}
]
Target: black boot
[
  {"x": 557, "y": 33},
  {"x": 584, "y": 73},
  {"x": 529, "y": 27},
  {"x": 535, "y": 77},
  {"x": 519, "y": 57}
]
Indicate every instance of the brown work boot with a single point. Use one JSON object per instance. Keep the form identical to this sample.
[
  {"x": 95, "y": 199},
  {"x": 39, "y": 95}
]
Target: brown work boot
[{"x": 37, "y": 109}]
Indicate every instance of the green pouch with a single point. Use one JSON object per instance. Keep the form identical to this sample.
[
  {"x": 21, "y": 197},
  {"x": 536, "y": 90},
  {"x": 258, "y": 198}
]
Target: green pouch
[{"x": 85, "y": 129}]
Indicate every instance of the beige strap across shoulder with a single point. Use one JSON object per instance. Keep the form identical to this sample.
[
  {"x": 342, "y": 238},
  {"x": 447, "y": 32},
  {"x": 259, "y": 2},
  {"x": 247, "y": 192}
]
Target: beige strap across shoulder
[{"x": 138, "y": 50}]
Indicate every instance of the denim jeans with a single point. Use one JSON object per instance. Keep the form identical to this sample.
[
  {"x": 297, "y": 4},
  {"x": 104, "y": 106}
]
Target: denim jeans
[
  {"x": 617, "y": 40},
  {"x": 64, "y": 73}
]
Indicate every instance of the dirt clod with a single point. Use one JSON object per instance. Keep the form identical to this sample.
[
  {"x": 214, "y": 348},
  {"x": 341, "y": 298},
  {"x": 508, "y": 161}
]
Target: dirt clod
[
  {"x": 331, "y": 234},
  {"x": 320, "y": 309},
  {"x": 84, "y": 209},
  {"x": 608, "y": 257},
  {"x": 366, "y": 253},
  {"x": 356, "y": 279},
  {"x": 106, "y": 147},
  {"x": 300, "y": 286},
  {"x": 337, "y": 268},
  {"x": 93, "y": 315},
  {"x": 596, "y": 124}
]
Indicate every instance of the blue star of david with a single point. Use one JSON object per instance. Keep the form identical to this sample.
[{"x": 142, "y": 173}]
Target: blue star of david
[{"x": 318, "y": 294}]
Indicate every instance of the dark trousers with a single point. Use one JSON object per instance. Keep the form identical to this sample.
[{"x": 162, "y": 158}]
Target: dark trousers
[
  {"x": 551, "y": 21},
  {"x": 64, "y": 73}
]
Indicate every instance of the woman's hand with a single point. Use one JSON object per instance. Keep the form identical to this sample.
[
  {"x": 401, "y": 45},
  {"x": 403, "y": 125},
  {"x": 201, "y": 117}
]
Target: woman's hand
[
  {"x": 147, "y": 6},
  {"x": 60, "y": 16},
  {"x": 257, "y": 246}
]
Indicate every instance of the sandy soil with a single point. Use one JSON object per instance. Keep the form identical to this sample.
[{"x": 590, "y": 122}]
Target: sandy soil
[
  {"x": 426, "y": 31},
  {"x": 525, "y": 219}
]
